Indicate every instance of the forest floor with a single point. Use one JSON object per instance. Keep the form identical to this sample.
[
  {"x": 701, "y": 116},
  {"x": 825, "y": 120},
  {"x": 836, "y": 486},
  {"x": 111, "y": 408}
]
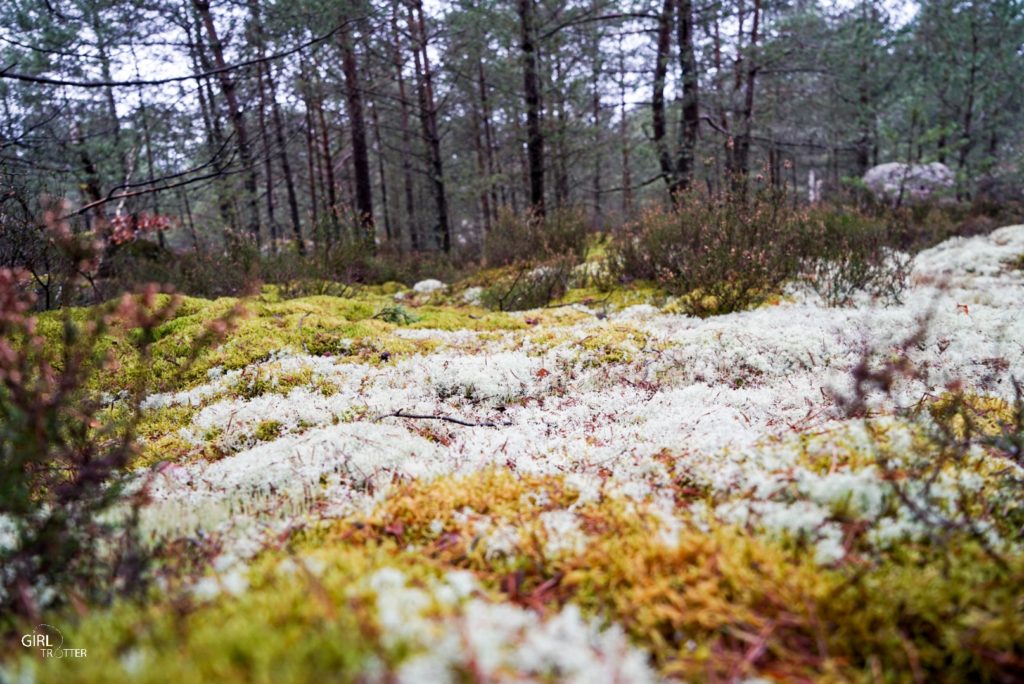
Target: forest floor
[{"x": 396, "y": 484}]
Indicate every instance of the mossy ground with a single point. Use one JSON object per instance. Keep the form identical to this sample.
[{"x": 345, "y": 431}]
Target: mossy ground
[
  {"x": 705, "y": 606},
  {"x": 707, "y": 602}
]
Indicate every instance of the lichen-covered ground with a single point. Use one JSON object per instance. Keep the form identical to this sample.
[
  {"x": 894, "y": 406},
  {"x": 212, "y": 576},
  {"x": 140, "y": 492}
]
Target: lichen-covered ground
[{"x": 595, "y": 492}]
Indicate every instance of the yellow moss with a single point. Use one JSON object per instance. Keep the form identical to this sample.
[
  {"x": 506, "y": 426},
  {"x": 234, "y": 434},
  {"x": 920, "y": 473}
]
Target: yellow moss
[
  {"x": 614, "y": 343},
  {"x": 691, "y": 602},
  {"x": 464, "y": 318},
  {"x": 159, "y": 434},
  {"x": 968, "y": 415},
  {"x": 721, "y": 299},
  {"x": 616, "y": 298},
  {"x": 712, "y": 604},
  {"x": 604, "y": 343}
]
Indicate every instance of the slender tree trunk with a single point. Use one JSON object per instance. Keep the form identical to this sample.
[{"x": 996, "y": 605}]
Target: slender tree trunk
[
  {"x": 966, "y": 132},
  {"x": 595, "y": 111},
  {"x": 311, "y": 167},
  {"x": 561, "y": 118},
  {"x": 148, "y": 140},
  {"x": 103, "y": 52},
  {"x": 411, "y": 224},
  {"x": 91, "y": 185},
  {"x": 268, "y": 171},
  {"x": 227, "y": 85},
  {"x": 188, "y": 217},
  {"x": 485, "y": 110},
  {"x": 389, "y": 233},
  {"x": 743, "y": 141},
  {"x": 333, "y": 231},
  {"x": 267, "y": 78},
  {"x": 690, "y": 121},
  {"x": 286, "y": 167},
  {"x": 627, "y": 172},
  {"x": 211, "y": 124},
  {"x": 360, "y": 151},
  {"x": 484, "y": 218},
  {"x": 658, "y": 120},
  {"x": 531, "y": 91},
  {"x": 428, "y": 120}
]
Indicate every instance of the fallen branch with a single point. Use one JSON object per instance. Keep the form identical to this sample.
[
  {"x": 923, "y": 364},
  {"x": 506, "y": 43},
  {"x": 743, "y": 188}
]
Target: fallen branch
[{"x": 447, "y": 419}]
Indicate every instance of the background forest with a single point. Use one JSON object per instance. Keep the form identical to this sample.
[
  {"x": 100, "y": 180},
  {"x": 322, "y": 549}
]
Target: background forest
[{"x": 422, "y": 128}]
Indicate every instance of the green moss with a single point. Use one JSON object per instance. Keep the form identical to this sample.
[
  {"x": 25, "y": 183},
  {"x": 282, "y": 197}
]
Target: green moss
[
  {"x": 615, "y": 343},
  {"x": 316, "y": 325},
  {"x": 720, "y": 299},
  {"x": 616, "y": 298},
  {"x": 160, "y": 435},
  {"x": 465, "y": 318},
  {"x": 268, "y": 430},
  {"x": 290, "y": 626}
]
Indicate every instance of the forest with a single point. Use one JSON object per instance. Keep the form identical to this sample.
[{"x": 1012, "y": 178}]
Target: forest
[{"x": 540, "y": 340}]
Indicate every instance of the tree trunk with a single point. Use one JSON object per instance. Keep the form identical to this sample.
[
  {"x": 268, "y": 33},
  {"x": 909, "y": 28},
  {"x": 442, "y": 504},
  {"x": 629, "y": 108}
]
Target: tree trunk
[
  {"x": 360, "y": 152},
  {"x": 966, "y": 132},
  {"x": 286, "y": 167},
  {"x": 595, "y": 111},
  {"x": 561, "y": 154},
  {"x": 627, "y": 173},
  {"x": 743, "y": 141},
  {"x": 485, "y": 109},
  {"x": 211, "y": 123},
  {"x": 658, "y": 120},
  {"x": 268, "y": 171},
  {"x": 531, "y": 91},
  {"x": 236, "y": 116},
  {"x": 690, "y": 121},
  {"x": 412, "y": 228},
  {"x": 227, "y": 85},
  {"x": 389, "y": 234},
  {"x": 484, "y": 218},
  {"x": 311, "y": 167},
  {"x": 428, "y": 120},
  {"x": 148, "y": 139},
  {"x": 334, "y": 227},
  {"x": 279, "y": 135},
  {"x": 103, "y": 52}
]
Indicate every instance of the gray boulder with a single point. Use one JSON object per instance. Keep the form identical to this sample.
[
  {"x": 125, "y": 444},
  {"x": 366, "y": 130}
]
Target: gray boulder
[{"x": 910, "y": 183}]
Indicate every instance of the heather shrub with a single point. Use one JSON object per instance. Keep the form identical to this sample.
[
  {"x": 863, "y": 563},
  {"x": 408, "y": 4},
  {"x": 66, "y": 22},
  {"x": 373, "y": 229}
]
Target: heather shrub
[
  {"x": 67, "y": 500},
  {"x": 853, "y": 252},
  {"x": 63, "y": 455},
  {"x": 530, "y": 285},
  {"x": 530, "y": 237},
  {"x": 201, "y": 272},
  {"x": 733, "y": 251}
]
